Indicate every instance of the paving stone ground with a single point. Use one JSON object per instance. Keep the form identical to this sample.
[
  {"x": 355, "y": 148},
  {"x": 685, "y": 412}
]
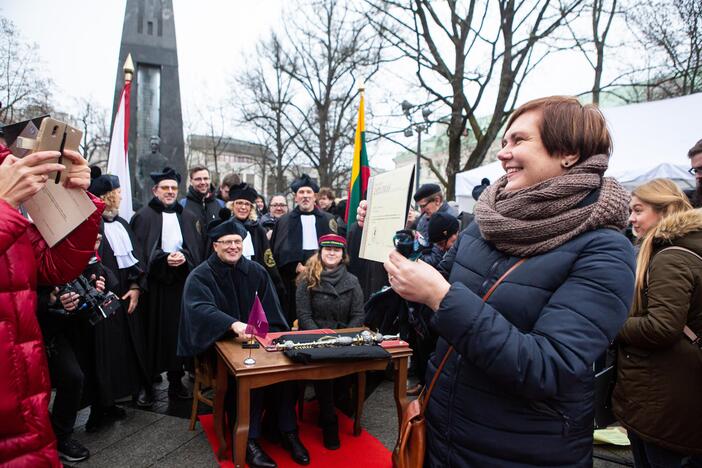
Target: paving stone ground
[{"x": 160, "y": 437}]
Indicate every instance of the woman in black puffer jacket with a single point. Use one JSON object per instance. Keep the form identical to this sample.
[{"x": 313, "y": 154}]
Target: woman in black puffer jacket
[{"x": 328, "y": 296}]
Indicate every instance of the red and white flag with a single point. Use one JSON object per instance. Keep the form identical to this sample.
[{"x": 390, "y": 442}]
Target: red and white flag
[{"x": 118, "y": 161}]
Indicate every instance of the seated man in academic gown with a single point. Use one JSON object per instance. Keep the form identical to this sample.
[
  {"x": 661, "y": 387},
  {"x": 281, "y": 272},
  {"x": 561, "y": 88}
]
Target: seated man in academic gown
[
  {"x": 295, "y": 235},
  {"x": 217, "y": 299}
]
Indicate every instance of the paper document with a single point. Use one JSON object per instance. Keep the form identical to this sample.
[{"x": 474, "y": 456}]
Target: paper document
[{"x": 389, "y": 195}]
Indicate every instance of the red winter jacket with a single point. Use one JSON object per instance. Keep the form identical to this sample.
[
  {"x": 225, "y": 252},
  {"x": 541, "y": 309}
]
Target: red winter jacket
[{"x": 26, "y": 437}]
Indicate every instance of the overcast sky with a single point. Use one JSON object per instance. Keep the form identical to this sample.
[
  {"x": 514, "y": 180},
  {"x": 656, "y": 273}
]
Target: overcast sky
[{"x": 79, "y": 43}]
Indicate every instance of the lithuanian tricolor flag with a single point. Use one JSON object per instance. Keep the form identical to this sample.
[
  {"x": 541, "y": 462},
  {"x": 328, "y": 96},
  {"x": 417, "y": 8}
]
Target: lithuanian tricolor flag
[{"x": 360, "y": 172}]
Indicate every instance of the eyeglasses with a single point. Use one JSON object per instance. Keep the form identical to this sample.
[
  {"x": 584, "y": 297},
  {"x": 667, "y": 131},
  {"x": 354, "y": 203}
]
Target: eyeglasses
[
  {"x": 695, "y": 170},
  {"x": 229, "y": 243},
  {"x": 424, "y": 205}
]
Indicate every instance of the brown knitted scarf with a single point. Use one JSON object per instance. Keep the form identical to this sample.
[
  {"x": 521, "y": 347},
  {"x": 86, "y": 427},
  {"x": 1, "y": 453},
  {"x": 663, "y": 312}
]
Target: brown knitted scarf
[{"x": 540, "y": 218}]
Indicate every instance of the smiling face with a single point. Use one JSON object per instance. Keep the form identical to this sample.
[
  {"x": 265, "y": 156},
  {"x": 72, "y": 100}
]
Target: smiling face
[
  {"x": 524, "y": 156},
  {"x": 324, "y": 202},
  {"x": 331, "y": 257},
  {"x": 241, "y": 209},
  {"x": 166, "y": 191},
  {"x": 278, "y": 206},
  {"x": 200, "y": 181},
  {"x": 643, "y": 216},
  {"x": 304, "y": 198},
  {"x": 229, "y": 248}
]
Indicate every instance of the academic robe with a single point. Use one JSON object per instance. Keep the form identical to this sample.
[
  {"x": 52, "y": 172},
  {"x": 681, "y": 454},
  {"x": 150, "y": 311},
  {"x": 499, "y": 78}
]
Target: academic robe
[
  {"x": 119, "y": 349},
  {"x": 218, "y": 294},
  {"x": 164, "y": 283},
  {"x": 263, "y": 255},
  {"x": 286, "y": 241}
]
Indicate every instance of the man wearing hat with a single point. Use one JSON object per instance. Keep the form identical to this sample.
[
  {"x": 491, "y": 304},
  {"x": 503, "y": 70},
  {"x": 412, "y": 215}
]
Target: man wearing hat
[
  {"x": 295, "y": 235},
  {"x": 166, "y": 236},
  {"x": 443, "y": 232},
  {"x": 430, "y": 201},
  {"x": 218, "y": 297}
]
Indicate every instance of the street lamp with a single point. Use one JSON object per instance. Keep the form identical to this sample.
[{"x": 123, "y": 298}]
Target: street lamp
[{"x": 419, "y": 127}]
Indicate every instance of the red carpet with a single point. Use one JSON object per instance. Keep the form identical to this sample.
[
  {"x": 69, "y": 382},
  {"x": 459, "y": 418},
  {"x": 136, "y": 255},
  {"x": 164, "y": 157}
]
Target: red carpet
[{"x": 364, "y": 450}]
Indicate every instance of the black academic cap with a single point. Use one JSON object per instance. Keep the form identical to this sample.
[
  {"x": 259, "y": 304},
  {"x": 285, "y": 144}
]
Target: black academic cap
[
  {"x": 442, "y": 225},
  {"x": 100, "y": 183},
  {"x": 242, "y": 191},
  {"x": 225, "y": 225},
  {"x": 426, "y": 190},
  {"x": 168, "y": 173},
  {"x": 304, "y": 181}
]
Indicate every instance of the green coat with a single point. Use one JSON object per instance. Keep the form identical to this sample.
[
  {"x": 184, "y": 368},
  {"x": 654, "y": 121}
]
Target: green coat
[{"x": 659, "y": 376}]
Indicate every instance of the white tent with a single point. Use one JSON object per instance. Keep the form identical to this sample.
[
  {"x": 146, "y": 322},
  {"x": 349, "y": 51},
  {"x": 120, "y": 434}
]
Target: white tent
[{"x": 651, "y": 140}]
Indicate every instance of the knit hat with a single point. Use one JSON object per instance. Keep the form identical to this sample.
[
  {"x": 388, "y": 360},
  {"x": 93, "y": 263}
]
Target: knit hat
[
  {"x": 442, "y": 225},
  {"x": 332, "y": 240},
  {"x": 478, "y": 189},
  {"x": 100, "y": 183}
]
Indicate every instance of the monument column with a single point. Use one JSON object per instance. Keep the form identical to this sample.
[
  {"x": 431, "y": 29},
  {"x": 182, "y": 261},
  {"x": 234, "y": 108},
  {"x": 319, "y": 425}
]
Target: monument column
[{"x": 149, "y": 35}]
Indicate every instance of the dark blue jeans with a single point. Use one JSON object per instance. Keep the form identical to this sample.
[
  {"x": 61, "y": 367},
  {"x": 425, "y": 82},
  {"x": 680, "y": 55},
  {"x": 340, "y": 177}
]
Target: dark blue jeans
[{"x": 647, "y": 455}]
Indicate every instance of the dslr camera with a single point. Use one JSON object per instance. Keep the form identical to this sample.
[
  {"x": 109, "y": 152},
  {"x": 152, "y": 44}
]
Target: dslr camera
[
  {"x": 407, "y": 243},
  {"x": 94, "y": 304}
]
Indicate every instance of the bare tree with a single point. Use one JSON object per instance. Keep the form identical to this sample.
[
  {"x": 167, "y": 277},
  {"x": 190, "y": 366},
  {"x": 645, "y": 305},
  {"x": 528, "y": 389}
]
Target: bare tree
[
  {"x": 92, "y": 120},
  {"x": 24, "y": 91},
  {"x": 469, "y": 55},
  {"x": 215, "y": 120},
  {"x": 671, "y": 31},
  {"x": 263, "y": 98},
  {"x": 332, "y": 49}
]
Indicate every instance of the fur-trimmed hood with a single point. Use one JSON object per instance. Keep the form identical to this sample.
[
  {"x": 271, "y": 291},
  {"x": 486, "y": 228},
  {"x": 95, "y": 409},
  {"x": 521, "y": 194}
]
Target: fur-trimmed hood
[{"x": 676, "y": 226}]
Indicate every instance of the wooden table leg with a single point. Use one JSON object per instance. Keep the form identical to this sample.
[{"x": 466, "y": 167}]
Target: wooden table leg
[
  {"x": 241, "y": 429},
  {"x": 360, "y": 398},
  {"x": 218, "y": 409},
  {"x": 400, "y": 390}
]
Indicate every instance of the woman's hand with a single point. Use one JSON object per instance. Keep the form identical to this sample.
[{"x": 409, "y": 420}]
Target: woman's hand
[
  {"x": 21, "y": 179},
  {"x": 78, "y": 175},
  {"x": 416, "y": 281}
]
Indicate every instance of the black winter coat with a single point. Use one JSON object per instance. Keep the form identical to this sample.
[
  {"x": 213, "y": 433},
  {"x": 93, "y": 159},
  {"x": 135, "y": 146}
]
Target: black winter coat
[{"x": 330, "y": 305}]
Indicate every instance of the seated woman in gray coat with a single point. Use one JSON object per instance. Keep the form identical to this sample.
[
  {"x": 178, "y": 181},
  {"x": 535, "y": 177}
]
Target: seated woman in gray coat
[{"x": 328, "y": 296}]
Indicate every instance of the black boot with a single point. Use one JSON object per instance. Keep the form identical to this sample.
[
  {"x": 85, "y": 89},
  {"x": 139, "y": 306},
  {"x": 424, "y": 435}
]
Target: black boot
[
  {"x": 256, "y": 457},
  {"x": 291, "y": 443},
  {"x": 95, "y": 419},
  {"x": 330, "y": 434}
]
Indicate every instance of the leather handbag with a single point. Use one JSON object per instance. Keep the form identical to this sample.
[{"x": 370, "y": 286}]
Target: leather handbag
[{"x": 411, "y": 445}]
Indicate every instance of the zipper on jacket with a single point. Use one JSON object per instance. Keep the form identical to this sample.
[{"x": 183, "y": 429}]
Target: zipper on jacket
[{"x": 545, "y": 408}]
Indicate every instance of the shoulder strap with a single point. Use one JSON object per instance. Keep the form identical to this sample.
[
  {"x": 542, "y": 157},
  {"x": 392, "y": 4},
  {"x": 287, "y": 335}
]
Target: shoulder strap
[
  {"x": 425, "y": 397},
  {"x": 692, "y": 336}
]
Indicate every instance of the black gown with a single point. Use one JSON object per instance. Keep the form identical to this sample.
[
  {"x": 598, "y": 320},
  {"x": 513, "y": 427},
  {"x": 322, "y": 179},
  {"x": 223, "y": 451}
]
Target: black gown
[
  {"x": 263, "y": 255},
  {"x": 164, "y": 283},
  {"x": 218, "y": 294},
  {"x": 120, "y": 351},
  {"x": 286, "y": 242}
]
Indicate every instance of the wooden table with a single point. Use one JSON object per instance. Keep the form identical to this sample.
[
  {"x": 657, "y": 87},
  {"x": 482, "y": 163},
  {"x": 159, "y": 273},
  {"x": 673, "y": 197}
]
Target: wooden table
[{"x": 275, "y": 367}]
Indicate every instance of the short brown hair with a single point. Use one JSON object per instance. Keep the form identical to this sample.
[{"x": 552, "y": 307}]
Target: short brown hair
[
  {"x": 231, "y": 179},
  {"x": 195, "y": 169},
  {"x": 569, "y": 127},
  {"x": 695, "y": 150},
  {"x": 326, "y": 192}
]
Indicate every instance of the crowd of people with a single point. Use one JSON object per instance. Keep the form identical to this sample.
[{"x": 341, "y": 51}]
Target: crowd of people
[{"x": 514, "y": 374}]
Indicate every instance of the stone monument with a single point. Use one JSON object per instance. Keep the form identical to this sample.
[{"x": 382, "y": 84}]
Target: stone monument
[{"x": 149, "y": 35}]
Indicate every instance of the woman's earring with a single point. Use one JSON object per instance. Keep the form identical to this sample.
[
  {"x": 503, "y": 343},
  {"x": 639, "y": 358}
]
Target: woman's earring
[{"x": 565, "y": 164}]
